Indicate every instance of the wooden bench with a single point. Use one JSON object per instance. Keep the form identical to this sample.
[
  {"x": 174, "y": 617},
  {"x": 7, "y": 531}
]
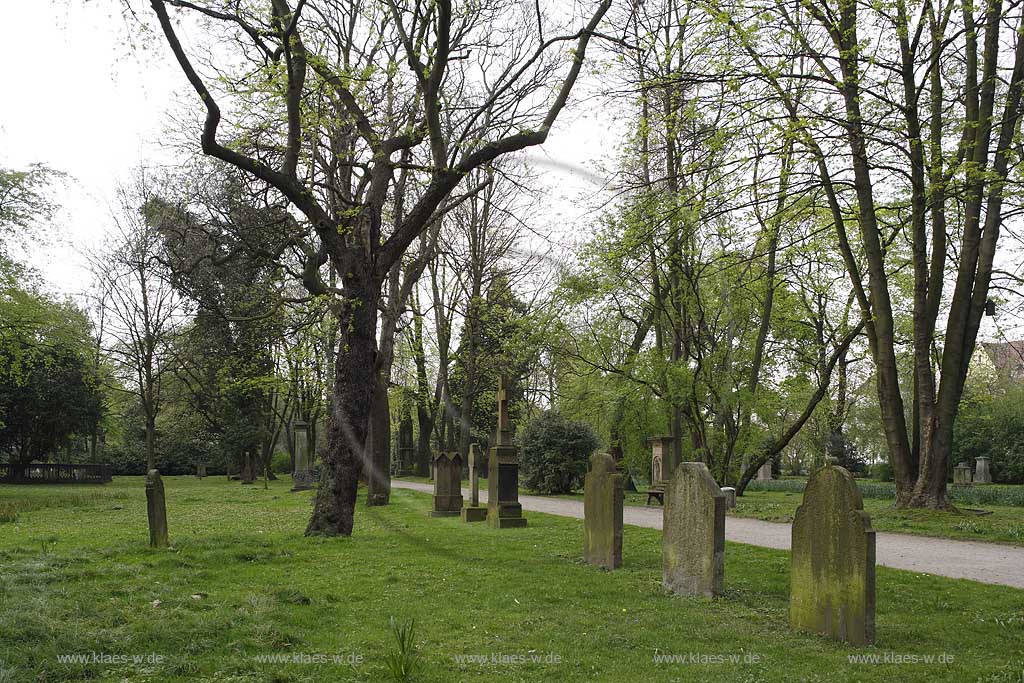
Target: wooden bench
[{"x": 657, "y": 491}]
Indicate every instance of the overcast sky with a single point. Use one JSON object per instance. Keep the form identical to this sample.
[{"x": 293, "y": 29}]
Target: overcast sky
[{"x": 89, "y": 100}]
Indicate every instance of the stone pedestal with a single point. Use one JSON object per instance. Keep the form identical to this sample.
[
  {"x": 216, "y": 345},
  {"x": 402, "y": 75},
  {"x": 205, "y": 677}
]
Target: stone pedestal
[
  {"x": 730, "y": 497},
  {"x": 156, "y": 510},
  {"x": 447, "y": 485},
  {"x": 982, "y": 473},
  {"x": 503, "y": 508},
  {"x": 302, "y": 477},
  {"x": 832, "y": 580},
  {"x": 602, "y": 513},
  {"x": 962, "y": 475},
  {"x": 201, "y": 470},
  {"x": 474, "y": 512},
  {"x": 765, "y": 472},
  {"x": 693, "y": 532}
]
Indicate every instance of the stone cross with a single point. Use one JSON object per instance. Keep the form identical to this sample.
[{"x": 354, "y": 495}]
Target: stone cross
[
  {"x": 503, "y": 507},
  {"x": 982, "y": 475},
  {"x": 693, "y": 532},
  {"x": 602, "y": 513},
  {"x": 302, "y": 477},
  {"x": 156, "y": 510},
  {"x": 832, "y": 580},
  {"x": 505, "y": 431},
  {"x": 474, "y": 513}
]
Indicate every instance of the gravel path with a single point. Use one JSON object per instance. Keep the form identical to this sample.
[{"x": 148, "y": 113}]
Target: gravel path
[{"x": 983, "y": 562}]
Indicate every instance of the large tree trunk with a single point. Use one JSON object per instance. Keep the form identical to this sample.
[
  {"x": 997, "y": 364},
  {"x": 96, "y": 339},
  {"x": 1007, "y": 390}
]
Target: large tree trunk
[{"x": 355, "y": 382}]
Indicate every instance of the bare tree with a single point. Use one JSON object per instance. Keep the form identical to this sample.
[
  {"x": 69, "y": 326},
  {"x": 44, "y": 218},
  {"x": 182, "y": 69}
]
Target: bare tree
[
  {"x": 349, "y": 86},
  {"x": 141, "y": 310}
]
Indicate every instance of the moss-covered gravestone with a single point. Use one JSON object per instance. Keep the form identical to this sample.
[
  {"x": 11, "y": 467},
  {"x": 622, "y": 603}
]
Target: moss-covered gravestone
[
  {"x": 156, "y": 510},
  {"x": 832, "y": 588},
  {"x": 693, "y": 532},
  {"x": 602, "y": 513},
  {"x": 302, "y": 477},
  {"x": 447, "y": 485}
]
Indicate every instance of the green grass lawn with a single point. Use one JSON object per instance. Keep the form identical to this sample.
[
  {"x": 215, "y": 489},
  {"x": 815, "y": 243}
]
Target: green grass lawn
[{"x": 241, "y": 583}]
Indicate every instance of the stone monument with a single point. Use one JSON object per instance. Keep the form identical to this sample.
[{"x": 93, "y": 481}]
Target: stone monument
[
  {"x": 602, "y": 513},
  {"x": 503, "y": 508},
  {"x": 474, "y": 512},
  {"x": 661, "y": 456},
  {"x": 248, "y": 475},
  {"x": 406, "y": 447},
  {"x": 982, "y": 474},
  {"x": 832, "y": 580},
  {"x": 156, "y": 510},
  {"x": 764, "y": 473},
  {"x": 730, "y": 497},
  {"x": 302, "y": 477},
  {"x": 693, "y": 532},
  {"x": 962, "y": 474},
  {"x": 201, "y": 470},
  {"x": 447, "y": 485}
]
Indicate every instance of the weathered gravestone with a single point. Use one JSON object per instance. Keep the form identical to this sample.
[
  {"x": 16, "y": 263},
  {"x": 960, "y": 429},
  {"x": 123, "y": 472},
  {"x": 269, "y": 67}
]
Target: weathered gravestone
[
  {"x": 201, "y": 470},
  {"x": 730, "y": 497},
  {"x": 406, "y": 464},
  {"x": 615, "y": 450},
  {"x": 503, "y": 508},
  {"x": 832, "y": 589},
  {"x": 693, "y": 532},
  {"x": 447, "y": 485},
  {"x": 248, "y": 475},
  {"x": 962, "y": 474},
  {"x": 602, "y": 513},
  {"x": 765, "y": 472},
  {"x": 156, "y": 510},
  {"x": 982, "y": 473},
  {"x": 474, "y": 512},
  {"x": 302, "y": 477}
]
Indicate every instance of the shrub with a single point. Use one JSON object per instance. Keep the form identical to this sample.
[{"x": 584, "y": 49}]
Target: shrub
[
  {"x": 281, "y": 463},
  {"x": 881, "y": 471},
  {"x": 555, "y": 453}
]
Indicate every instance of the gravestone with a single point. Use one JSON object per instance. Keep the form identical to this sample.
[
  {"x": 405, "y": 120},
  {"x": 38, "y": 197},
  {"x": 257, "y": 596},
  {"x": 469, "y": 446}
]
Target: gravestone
[
  {"x": 602, "y": 513},
  {"x": 982, "y": 474},
  {"x": 248, "y": 476},
  {"x": 661, "y": 454},
  {"x": 615, "y": 450},
  {"x": 447, "y": 485},
  {"x": 201, "y": 470},
  {"x": 156, "y": 510},
  {"x": 302, "y": 477},
  {"x": 730, "y": 497},
  {"x": 503, "y": 508},
  {"x": 832, "y": 589},
  {"x": 765, "y": 472},
  {"x": 962, "y": 474},
  {"x": 406, "y": 464},
  {"x": 474, "y": 512},
  {"x": 693, "y": 532}
]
